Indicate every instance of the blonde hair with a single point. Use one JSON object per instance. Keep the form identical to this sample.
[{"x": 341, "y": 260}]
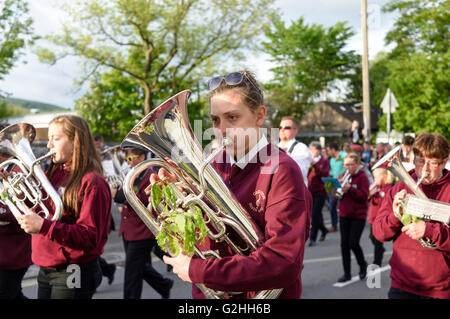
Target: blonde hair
[
  {"x": 389, "y": 176},
  {"x": 355, "y": 157}
]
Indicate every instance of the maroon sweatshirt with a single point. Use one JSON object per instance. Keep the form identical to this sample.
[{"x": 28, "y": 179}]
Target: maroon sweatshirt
[
  {"x": 131, "y": 225},
  {"x": 70, "y": 241},
  {"x": 315, "y": 174},
  {"x": 15, "y": 244},
  {"x": 354, "y": 203},
  {"x": 280, "y": 204},
  {"x": 376, "y": 199},
  {"x": 416, "y": 269}
]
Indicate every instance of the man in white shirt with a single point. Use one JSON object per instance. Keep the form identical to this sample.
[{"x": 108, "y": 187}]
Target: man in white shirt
[{"x": 297, "y": 150}]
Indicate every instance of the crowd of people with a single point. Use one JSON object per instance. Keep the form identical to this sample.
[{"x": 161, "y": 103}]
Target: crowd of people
[{"x": 283, "y": 188}]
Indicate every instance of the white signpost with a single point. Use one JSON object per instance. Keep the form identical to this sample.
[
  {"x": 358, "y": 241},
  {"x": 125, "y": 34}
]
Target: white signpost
[{"x": 389, "y": 105}]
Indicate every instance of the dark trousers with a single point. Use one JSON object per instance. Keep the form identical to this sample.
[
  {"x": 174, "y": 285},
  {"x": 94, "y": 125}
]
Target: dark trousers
[
  {"x": 351, "y": 231},
  {"x": 379, "y": 249},
  {"x": 395, "y": 293},
  {"x": 11, "y": 283},
  {"x": 61, "y": 283},
  {"x": 317, "y": 217},
  {"x": 333, "y": 209},
  {"x": 138, "y": 267}
]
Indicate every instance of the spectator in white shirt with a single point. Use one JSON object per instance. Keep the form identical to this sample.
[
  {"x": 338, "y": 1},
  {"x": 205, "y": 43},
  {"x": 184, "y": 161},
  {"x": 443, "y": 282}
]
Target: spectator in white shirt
[{"x": 297, "y": 150}]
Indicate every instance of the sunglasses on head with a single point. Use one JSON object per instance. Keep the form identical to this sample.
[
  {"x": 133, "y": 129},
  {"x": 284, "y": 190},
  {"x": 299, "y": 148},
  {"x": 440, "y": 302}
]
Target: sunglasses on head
[
  {"x": 285, "y": 127},
  {"x": 234, "y": 78},
  {"x": 131, "y": 157}
]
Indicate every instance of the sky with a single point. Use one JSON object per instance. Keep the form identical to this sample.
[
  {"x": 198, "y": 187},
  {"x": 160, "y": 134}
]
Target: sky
[{"x": 54, "y": 84}]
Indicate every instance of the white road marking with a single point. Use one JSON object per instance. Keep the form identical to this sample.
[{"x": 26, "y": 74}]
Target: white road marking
[{"x": 356, "y": 278}]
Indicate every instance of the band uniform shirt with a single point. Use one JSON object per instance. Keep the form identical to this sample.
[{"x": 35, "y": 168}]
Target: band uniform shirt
[
  {"x": 300, "y": 154},
  {"x": 354, "y": 203},
  {"x": 132, "y": 227},
  {"x": 70, "y": 241},
  {"x": 15, "y": 243},
  {"x": 318, "y": 169},
  {"x": 414, "y": 268},
  {"x": 280, "y": 206},
  {"x": 376, "y": 199}
]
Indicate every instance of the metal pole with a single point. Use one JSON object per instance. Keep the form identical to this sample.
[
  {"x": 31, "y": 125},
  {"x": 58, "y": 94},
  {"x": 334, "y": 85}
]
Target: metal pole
[
  {"x": 389, "y": 116},
  {"x": 365, "y": 71}
]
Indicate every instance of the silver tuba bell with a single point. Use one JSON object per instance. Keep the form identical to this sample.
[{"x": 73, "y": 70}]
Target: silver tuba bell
[
  {"x": 419, "y": 204},
  {"x": 26, "y": 188},
  {"x": 167, "y": 133}
]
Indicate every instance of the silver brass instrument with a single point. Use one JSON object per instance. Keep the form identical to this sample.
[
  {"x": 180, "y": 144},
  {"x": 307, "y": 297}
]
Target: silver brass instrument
[
  {"x": 410, "y": 204},
  {"x": 112, "y": 166},
  {"x": 26, "y": 190},
  {"x": 346, "y": 179},
  {"x": 167, "y": 133}
]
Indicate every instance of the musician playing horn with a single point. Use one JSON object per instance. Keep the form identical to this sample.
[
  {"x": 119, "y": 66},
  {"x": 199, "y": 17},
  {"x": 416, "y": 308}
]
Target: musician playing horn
[
  {"x": 352, "y": 215},
  {"x": 416, "y": 271},
  {"x": 274, "y": 196},
  {"x": 15, "y": 248},
  {"x": 78, "y": 238}
]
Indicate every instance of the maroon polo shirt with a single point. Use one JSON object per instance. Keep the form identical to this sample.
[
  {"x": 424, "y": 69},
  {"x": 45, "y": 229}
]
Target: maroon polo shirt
[
  {"x": 131, "y": 225},
  {"x": 354, "y": 203},
  {"x": 315, "y": 174},
  {"x": 15, "y": 244},
  {"x": 280, "y": 205},
  {"x": 376, "y": 200},
  {"x": 70, "y": 241},
  {"x": 416, "y": 269}
]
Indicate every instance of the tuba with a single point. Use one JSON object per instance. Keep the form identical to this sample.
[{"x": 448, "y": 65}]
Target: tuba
[
  {"x": 418, "y": 204},
  {"x": 27, "y": 188},
  {"x": 112, "y": 166},
  {"x": 167, "y": 133}
]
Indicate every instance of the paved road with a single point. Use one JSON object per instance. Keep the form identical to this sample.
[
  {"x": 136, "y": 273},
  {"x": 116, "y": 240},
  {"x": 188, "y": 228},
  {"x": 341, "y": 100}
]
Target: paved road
[{"x": 322, "y": 267}]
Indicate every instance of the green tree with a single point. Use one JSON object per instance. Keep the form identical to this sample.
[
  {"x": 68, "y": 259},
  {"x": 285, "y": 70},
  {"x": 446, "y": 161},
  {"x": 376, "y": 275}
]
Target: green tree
[
  {"x": 160, "y": 44},
  {"x": 417, "y": 68},
  {"x": 113, "y": 105},
  {"x": 15, "y": 33},
  {"x": 421, "y": 86},
  {"x": 309, "y": 59},
  {"x": 422, "y": 26}
]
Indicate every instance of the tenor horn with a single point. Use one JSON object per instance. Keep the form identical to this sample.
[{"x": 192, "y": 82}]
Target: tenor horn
[
  {"x": 166, "y": 132},
  {"x": 26, "y": 189},
  {"x": 418, "y": 204}
]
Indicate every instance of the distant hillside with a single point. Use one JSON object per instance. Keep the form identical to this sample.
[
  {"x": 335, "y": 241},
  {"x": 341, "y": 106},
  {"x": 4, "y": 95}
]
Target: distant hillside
[{"x": 28, "y": 105}]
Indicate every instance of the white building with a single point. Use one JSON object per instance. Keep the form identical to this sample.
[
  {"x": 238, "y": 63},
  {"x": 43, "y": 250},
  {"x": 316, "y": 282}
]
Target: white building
[{"x": 39, "y": 121}]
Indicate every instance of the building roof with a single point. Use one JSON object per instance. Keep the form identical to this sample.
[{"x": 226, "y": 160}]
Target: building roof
[{"x": 352, "y": 111}]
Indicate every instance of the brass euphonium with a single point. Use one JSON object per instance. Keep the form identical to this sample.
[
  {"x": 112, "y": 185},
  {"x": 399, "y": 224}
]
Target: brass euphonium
[
  {"x": 167, "y": 133},
  {"x": 430, "y": 210},
  {"x": 26, "y": 188}
]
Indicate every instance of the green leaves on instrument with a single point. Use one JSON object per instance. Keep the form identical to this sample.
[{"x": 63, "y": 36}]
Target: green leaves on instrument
[
  {"x": 5, "y": 196},
  {"x": 328, "y": 186},
  {"x": 148, "y": 129},
  {"x": 407, "y": 219},
  {"x": 178, "y": 225}
]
